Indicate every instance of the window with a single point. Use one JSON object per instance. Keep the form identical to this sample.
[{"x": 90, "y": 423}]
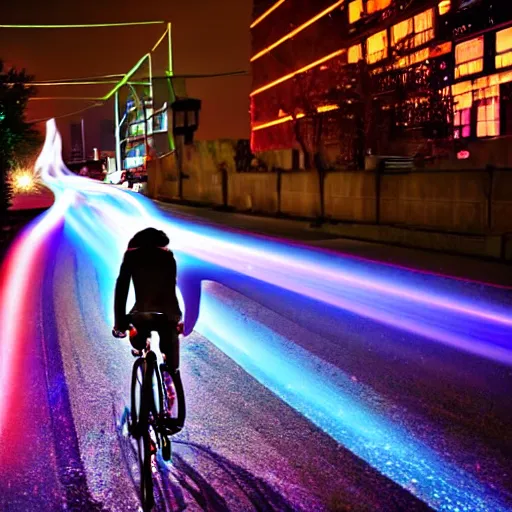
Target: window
[
  {"x": 413, "y": 58},
  {"x": 377, "y": 5},
  {"x": 355, "y": 54},
  {"x": 377, "y": 47},
  {"x": 462, "y": 123},
  {"x": 355, "y": 11},
  {"x": 469, "y": 57},
  {"x": 444, "y": 7},
  {"x": 401, "y": 31},
  {"x": 488, "y": 119},
  {"x": 422, "y": 26},
  {"x": 504, "y": 48}
]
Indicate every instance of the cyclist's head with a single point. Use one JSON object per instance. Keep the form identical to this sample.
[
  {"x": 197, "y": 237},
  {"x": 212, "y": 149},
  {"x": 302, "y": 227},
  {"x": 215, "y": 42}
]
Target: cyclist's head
[{"x": 149, "y": 237}]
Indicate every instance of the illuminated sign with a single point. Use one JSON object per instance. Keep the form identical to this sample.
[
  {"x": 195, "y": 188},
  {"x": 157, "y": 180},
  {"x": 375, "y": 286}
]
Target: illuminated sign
[{"x": 463, "y": 155}]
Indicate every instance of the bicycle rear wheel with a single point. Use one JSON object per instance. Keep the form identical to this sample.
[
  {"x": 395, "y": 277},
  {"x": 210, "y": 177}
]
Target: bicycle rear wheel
[{"x": 146, "y": 477}]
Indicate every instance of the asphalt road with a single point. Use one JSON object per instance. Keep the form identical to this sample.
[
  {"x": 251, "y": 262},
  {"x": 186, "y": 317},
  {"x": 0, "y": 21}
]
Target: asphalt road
[{"x": 252, "y": 443}]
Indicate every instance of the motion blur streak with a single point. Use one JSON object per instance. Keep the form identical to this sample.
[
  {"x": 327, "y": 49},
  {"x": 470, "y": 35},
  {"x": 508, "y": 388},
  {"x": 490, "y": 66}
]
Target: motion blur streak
[
  {"x": 17, "y": 288},
  {"x": 307, "y": 384}
]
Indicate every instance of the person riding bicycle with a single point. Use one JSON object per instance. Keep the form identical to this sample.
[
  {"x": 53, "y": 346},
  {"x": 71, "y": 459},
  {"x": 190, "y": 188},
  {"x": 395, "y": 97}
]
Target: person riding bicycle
[{"x": 152, "y": 267}]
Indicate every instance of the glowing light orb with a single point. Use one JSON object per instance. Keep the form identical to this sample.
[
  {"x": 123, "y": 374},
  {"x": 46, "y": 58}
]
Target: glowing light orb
[{"x": 23, "y": 181}]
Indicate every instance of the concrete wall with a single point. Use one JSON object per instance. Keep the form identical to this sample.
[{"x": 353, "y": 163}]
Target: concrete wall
[
  {"x": 455, "y": 201},
  {"x": 163, "y": 178},
  {"x": 350, "y": 196},
  {"x": 253, "y": 191},
  {"x": 299, "y": 194},
  {"x": 452, "y": 201},
  {"x": 201, "y": 163}
]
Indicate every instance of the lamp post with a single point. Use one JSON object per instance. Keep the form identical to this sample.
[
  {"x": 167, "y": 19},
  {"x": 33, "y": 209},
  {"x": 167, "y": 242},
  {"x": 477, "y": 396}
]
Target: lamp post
[{"x": 185, "y": 121}]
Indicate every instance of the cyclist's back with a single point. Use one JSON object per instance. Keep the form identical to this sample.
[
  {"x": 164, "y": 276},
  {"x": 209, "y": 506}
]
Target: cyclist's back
[{"x": 153, "y": 270}]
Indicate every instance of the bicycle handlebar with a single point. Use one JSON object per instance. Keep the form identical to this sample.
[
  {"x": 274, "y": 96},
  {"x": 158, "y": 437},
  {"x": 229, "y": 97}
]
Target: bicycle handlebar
[{"x": 132, "y": 330}]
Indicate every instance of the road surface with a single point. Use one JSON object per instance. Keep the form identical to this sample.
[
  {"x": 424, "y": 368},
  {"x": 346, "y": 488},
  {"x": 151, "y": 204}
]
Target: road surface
[{"x": 315, "y": 381}]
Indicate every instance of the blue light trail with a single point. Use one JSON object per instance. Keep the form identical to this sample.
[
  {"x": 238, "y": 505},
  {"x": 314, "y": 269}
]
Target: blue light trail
[{"x": 101, "y": 219}]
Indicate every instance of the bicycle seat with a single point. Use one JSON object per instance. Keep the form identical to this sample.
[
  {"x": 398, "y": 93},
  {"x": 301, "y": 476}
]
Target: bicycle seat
[{"x": 147, "y": 319}]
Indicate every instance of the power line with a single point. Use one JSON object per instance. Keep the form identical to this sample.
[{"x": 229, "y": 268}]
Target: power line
[
  {"x": 89, "y": 78},
  {"x": 204, "y": 75},
  {"x": 89, "y": 25}
]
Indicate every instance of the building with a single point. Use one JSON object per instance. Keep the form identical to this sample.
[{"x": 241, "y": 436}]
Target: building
[
  {"x": 146, "y": 122},
  {"x": 77, "y": 142},
  {"x": 351, "y": 77},
  {"x": 107, "y": 135}
]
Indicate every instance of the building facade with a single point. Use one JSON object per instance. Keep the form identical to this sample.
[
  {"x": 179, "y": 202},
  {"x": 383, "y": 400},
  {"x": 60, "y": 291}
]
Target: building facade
[{"x": 379, "y": 76}]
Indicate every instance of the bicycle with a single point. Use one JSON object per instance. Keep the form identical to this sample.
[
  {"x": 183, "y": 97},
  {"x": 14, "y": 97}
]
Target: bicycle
[{"x": 149, "y": 423}]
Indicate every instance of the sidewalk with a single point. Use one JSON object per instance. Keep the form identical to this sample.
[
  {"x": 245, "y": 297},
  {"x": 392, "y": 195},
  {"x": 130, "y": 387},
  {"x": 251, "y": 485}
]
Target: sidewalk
[{"x": 463, "y": 267}]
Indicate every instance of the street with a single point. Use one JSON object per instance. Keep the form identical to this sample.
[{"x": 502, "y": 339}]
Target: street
[{"x": 314, "y": 380}]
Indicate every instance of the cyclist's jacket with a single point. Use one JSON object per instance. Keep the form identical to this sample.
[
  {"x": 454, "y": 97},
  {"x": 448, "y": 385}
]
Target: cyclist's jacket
[{"x": 153, "y": 270}]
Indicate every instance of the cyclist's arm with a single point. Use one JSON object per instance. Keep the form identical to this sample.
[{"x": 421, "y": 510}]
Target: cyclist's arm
[{"x": 121, "y": 294}]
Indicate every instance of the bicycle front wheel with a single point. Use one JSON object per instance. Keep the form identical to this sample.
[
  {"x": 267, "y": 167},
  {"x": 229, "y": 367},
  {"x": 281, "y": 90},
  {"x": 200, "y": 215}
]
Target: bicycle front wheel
[{"x": 137, "y": 395}]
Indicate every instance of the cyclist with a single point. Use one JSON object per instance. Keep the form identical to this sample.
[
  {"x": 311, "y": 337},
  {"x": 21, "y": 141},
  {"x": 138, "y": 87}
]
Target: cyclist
[{"x": 152, "y": 267}]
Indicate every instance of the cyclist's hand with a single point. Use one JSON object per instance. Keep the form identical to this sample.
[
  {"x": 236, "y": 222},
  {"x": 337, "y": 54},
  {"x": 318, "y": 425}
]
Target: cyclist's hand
[{"x": 118, "y": 334}]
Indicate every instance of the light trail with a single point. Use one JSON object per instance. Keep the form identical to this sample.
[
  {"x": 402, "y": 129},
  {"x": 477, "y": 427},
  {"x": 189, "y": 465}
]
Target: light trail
[{"x": 364, "y": 288}]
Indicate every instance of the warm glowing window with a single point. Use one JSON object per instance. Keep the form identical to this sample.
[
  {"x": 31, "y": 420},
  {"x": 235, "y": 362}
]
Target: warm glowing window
[
  {"x": 504, "y": 48},
  {"x": 462, "y": 88},
  {"x": 444, "y": 6},
  {"x": 463, "y": 101},
  {"x": 422, "y": 26},
  {"x": 401, "y": 31},
  {"x": 355, "y": 54},
  {"x": 462, "y": 123},
  {"x": 488, "y": 120},
  {"x": 355, "y": 11},
  {"x": 413, "y": 58},
  {"x": 377, "y": 47},
  {"x": 484, "y": 93},
  {"x": 469, "y": 57},
  {"x": 377, "y": 5}
]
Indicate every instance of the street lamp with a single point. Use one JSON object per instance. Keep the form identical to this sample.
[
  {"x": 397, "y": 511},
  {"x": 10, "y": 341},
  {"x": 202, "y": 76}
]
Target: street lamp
[{"x": 185, "y": 121}]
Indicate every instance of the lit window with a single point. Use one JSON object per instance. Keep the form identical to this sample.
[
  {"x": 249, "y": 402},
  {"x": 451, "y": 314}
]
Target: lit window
[
  {"x": 483, "y": 93},
  {"x": 462, "y": 123},
  {"x": 401, "y": 31},
  {"x": 421, "y": 26},
  {"x": 355, "y": 54},
  {"x": 469, "y": 57},
  {"x": 355, "y": 11},
  {"x": 463, "y": 101},
  {"x": 504, "y": 48},
  {"x": 377, "y": 47},
  {"x": 488, "y": 120},
  {"x": 444, "y": 7},
  {"x": 424, "y": 27},
  {"x": 462, "y": 87},
  {"x": 377, "y": 5},
  {"x": 413, "y": 58}
]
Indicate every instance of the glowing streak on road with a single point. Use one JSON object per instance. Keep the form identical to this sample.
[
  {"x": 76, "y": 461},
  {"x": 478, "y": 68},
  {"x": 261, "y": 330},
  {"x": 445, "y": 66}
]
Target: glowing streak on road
[
  {"x": 17, "y": 287},
  {"x": 302, "y": 385}
]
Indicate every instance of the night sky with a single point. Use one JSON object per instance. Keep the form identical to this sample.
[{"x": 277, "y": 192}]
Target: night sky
[{"x": 209, "y": 36}]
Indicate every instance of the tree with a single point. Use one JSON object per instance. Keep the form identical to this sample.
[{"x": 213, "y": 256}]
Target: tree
[
  {"x": 17, "y": 137},
  {"x": 302, "y": 101}
]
